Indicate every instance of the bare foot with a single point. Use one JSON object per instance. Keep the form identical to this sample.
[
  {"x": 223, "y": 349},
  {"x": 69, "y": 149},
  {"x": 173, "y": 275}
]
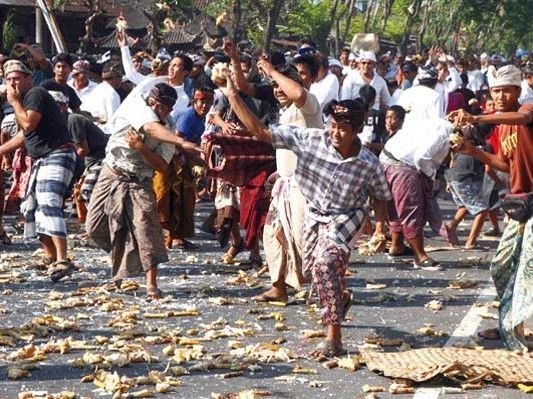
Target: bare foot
[
  {"x": 489, "y": 333},
  {"x": 327, "y": 349},
  {"x": 452, "y": 236},
  {"x": 272, "y": 295}
]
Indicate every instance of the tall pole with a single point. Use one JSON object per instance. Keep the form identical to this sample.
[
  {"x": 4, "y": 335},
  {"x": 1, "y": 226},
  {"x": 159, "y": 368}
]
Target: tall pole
[{"x": 38, "y": 25}]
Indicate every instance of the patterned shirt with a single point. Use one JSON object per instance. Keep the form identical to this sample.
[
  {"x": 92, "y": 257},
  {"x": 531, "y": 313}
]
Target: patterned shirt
[{"x": 336, "y": 188}]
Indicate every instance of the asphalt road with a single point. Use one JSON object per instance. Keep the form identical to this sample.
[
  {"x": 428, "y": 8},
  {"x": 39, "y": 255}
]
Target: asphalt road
[{"x": 390, "y": 303}]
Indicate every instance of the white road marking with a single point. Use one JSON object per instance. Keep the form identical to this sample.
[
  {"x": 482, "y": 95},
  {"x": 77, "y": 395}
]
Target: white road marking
[{"x": 462, "y": 334}]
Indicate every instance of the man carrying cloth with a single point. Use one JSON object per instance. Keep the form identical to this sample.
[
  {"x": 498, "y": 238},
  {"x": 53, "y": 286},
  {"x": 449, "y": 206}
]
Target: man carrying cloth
[
  {"x": 122, "y": 216},
  {"x": 511, "y": 266},
  {"x": 336, "y": 175},
  {"x": 43, "y": 130}
]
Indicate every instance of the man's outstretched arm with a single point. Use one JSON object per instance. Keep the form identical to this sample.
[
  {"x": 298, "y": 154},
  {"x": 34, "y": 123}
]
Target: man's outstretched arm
[{"x": 245, "y": 115}]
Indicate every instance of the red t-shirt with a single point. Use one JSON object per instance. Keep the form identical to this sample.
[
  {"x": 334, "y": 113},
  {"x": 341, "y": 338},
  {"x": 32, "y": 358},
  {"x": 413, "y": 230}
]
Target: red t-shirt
[
  {"x": 494, "y": 140},
  {"x": 516, "y": 148}
]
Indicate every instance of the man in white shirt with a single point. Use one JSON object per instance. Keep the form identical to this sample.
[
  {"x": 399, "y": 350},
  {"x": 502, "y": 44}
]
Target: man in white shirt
[
  {"x": 79, "y": 80},
  {"x": 158, "y": 65},
  {"x": 344, "y": 58},
  {"x": 411, "y": 158},
  {"x": 526, "y": 95},
  {"x": 104, "y": 99},
  {"x": 366, "y": 75},
  {"x": 122, "y": 216},
  {"x": 423, "y": 101},
  {"x": 446, "y": 80},
  {"x": 326, "y": 85}
]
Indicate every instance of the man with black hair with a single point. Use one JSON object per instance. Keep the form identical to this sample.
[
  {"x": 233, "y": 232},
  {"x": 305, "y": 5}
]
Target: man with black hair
[
  {"x": 283, "y": 249},
  {"x": 197, "y": 77},
  {"x": 336, "y": 174},
  {"x": 409, "y": 70},
  {"x": 62, "y": 67},
  {"x": 90, "y": 143},
  {"x": 374, "y": 127},
  {"x": 326, "y": 85},
  {"x": 122, "y": 216},
  {"x": 263, "y": 90},
  {"x": 307, "y": 67},
  {"x": 175, "y": 189},
  {"x": 423, "y": 101}
]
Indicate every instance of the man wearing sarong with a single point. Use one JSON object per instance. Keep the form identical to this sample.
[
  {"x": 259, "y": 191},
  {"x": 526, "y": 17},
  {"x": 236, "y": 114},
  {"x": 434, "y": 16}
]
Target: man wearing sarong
[
  {"x": 511, "y": 267},
  {"x": 282, "y": 235},
  {"x": 122, "y": 215},
  {"x": 336, "y": 175},
  {"x": 43, "y": 130},
  {"x": 175, "y": 188},
  {"x": 411, "y": 158}
]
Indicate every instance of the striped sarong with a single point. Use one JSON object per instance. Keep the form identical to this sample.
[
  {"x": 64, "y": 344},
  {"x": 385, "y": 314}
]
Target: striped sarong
[
  {"x": 512, "y": 273},
  {"x": 90, "y": 177},
  {"x": 47, "y": 189}
]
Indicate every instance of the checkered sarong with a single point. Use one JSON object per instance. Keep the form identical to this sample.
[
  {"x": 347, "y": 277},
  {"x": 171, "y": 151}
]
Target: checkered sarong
[{"x": 47, "y": 189}]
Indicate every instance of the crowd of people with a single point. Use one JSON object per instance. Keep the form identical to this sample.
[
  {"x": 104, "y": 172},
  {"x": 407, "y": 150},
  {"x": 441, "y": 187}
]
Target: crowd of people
[{"x": 301, "y": 154}]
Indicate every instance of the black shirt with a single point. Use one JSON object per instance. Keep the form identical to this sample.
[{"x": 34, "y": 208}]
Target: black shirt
[
  {"x": 73, "y": 99},
  {"x": 82, "y": 129},
  {"x": 51, "y": 132}
]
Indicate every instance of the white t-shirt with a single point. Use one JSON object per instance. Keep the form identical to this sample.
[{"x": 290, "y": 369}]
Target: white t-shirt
[
  {"x": 423, "y": 144},
  {"x": 326, "y": 89},
  {"x": 354, "y": 81},
  {"x": 309, "y": 115},
  {"x": 84, "y": 93},
  {"x": 135, "y": 114},
  {"x": 526, "y": 95},
  {"x": 421, "y": 102},
  {"x": 476, "y": 79},
  {"x": 102, "y": 103},
  {"x": 143, "y": 89}
]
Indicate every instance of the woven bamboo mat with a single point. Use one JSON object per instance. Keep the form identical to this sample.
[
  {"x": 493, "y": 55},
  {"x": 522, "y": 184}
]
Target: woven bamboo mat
[{"x": 497, "y": 366}]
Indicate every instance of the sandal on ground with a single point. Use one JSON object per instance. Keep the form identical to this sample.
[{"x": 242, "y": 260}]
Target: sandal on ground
[
  {"x": 407, "y": 252},
  {"x": 233, "y": 251},
  {"x": 347, "y": 302},
  {"x": 327, "y": 349},
  {"x": 61, "y": 269},
  {"x": 4, "y": 239},
  {"x": 489, "y": 334},
  {"x": 154, "y": 294},
  {"x": 425, "y": 263},
  {"x": 187, "y": 246}
]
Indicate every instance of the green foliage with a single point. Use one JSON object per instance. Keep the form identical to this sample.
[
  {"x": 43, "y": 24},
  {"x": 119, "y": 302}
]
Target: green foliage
[
  {"x": 310, "y": 18},
  {"x": 9, "y": 31}
]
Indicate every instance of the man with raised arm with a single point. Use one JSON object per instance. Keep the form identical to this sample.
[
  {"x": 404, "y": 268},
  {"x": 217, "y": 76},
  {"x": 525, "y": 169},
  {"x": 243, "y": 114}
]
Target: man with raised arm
[{"x": 336, "y": 174}]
